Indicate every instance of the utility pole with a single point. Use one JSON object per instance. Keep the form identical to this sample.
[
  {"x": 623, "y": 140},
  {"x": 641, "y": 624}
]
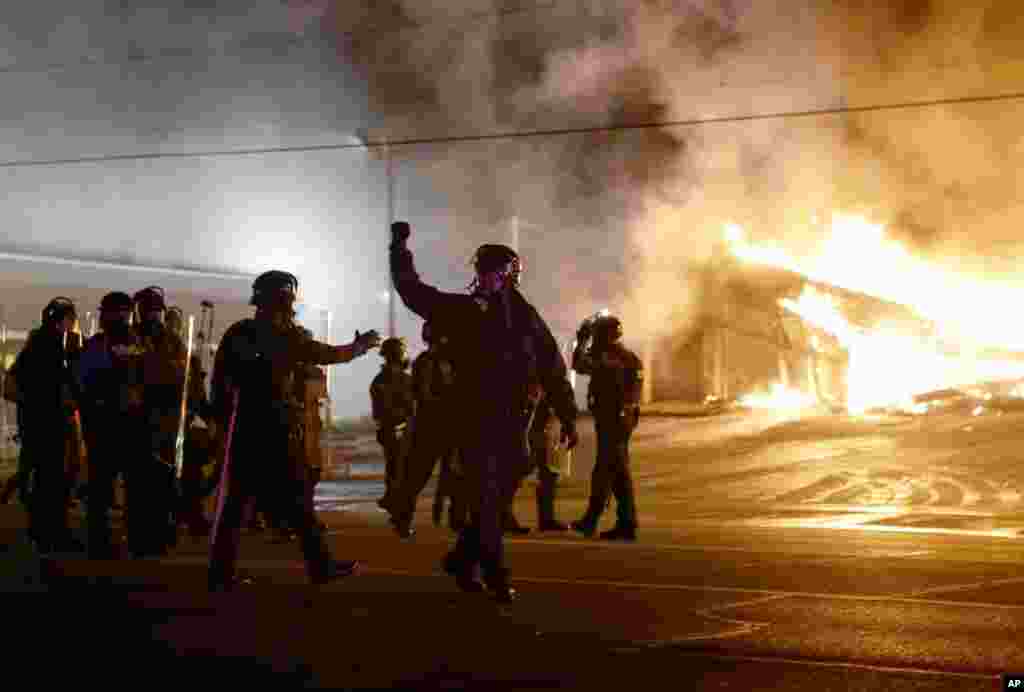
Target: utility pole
[{"x": 391, "y": 219}]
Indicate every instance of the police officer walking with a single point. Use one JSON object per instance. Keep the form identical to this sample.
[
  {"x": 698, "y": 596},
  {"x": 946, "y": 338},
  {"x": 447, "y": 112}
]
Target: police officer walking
[
  {"x": 254, "y": 403},
  {"x": 110, "y": 379},
  {"x": 504, "y": 355},
  {"x": 433, "y": 438},
  {"x": 163, "y": 380},
  {"x": 541, "y": 460},
  {"x": 391, "y": 397},
  {"x": 43, "y": 370},
  {"x": 613, "y": 397}
]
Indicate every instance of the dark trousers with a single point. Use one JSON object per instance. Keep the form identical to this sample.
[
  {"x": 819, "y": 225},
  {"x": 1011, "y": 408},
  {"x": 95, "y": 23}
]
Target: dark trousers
[
  {"x": 394, "y": 444},
  {"x": 113, "y": 451},
  {"x": 192, "y": 492},
  {"x": 432, "y": 442},
  {"x": 48, "y": 503},
  {"x": 155, "y": 515},
  {"x": 611, "y": 475},
  {"x": 492, "y": 464},
  {"x": 449, "y": 488},
  {"x": 21, "y": 481},
  {"x": 262, "y": 471},
  {"x": 547, "y": 479}
]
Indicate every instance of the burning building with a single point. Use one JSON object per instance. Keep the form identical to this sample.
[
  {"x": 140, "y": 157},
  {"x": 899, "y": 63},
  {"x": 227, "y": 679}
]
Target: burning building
[{"x": 769, "y": 334}]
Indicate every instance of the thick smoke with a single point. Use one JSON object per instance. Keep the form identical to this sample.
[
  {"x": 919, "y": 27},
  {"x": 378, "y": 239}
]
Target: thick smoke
[{"x": 648, "y": 205}]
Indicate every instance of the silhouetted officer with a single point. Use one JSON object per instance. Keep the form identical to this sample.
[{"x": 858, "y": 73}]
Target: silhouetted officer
[
  {"x": 254, "y": 402},
  {"x": 43, "y": 370},
  {"x": 434, "y": 436},
  {"x": 163, "y": 381},
  {"x": 113, "y": 421},
  {"x": 542, "y": 461},
  {"x": 392, "y": 401},
  {"x": 616, "y": 381},
  {"x": 504, "y": 355}
]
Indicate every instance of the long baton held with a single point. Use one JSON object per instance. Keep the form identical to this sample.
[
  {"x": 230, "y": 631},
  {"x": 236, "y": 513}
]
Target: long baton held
[
  {"x": 179, "y": 442},
  {"x": 222, "y": 488}
]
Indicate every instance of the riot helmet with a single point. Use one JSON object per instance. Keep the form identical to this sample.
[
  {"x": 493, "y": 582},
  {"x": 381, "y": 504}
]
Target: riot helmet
[
  {"x": 274, "y": 289},
  {"x": 59, "y": 309},
  {"x": 150, "y": 304},
  {"x": 174, "y": 320},
  {"x": 496, "y": 266},
  {"x": 607, "y": 330},
  {"x": 116, "y": 312},
  {"x": 393, "y": 350}
]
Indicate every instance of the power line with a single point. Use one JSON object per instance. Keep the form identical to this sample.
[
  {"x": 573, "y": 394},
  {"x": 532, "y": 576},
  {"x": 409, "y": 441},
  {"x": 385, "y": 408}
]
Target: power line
[{"x": 483, "y": 137}]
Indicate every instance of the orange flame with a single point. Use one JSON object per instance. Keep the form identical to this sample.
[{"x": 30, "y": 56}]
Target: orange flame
[{"x": 887, "y": 366}]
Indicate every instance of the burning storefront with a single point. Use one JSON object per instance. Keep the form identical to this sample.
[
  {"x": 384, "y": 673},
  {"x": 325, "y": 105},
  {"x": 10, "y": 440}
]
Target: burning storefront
[{"x": 770, "y": 333}]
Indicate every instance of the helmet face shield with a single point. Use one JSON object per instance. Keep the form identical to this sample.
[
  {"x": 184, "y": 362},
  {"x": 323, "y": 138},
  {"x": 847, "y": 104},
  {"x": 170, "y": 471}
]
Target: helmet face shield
[
  {"x": 58, "y": 310},
  {"x": 497, "y": 266},
  {"x": 274, "y": 289}
]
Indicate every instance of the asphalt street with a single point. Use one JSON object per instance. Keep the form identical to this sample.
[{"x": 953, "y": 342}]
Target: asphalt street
[{"x": 781, "y": 554}]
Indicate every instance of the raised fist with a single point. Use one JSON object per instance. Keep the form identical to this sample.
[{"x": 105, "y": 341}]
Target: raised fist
[
  {"x": 584, "y": 332},
  {"x": 400, "y": 232}
]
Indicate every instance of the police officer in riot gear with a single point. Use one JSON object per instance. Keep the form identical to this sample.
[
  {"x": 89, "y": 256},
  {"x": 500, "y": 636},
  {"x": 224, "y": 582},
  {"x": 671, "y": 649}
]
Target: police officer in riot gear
[
  {"x": 392, "y": 400},
  {"x": 541, "y": 460},
  {"x": 163, "y": 380},
  {"x": 433, "y": 436},
  {"x": 253, "y": 391},
  {"x": 613, "y": 397},
  {"x": 48, "y": 404},
  {"x": 110, "y": 379},
  {"x": 503, "y": 354}
]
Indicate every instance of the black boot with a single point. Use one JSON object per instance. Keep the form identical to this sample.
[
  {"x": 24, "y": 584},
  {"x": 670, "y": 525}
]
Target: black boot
[
  {"x": 584, "y": 526},
  {"x": 620, "y": 533},
  {"x": 546, "y": 507},
  {"x": 511, "y": 525},
  {"x": 465, "y": 574},
  {"x": 497, "y": 583},
  {"x": 336, "y": 569}
]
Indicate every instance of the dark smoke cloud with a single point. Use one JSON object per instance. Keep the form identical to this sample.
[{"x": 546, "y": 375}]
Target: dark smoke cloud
[{"x": 935, "y": 176}]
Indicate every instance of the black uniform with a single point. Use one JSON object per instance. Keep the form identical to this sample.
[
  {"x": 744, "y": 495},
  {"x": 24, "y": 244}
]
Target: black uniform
[
  {"x": 43, "y": 370},
  {"x": 541, "y": 462},
  {"x": 391, "y": 397},
  {"x": 434, "y": 439},
  {"x": 616, "y": 377},
  {"x": 503, "y": 352},
  {"x": 258, "y": 360},
  {"x": 163, "y": 380},
  {"x": 114, "y": 424}
]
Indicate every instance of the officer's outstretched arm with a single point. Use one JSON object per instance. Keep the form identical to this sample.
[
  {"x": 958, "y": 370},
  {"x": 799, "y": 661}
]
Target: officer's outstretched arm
[{"x": 324, "y": 354}]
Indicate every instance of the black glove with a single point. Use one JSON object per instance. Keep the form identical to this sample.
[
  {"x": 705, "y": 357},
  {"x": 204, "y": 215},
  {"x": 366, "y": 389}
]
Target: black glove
[
  {"x": 367, "y": 340},
  {"x": 400, "y": 233},
  {"x": 583, "y": 335}
]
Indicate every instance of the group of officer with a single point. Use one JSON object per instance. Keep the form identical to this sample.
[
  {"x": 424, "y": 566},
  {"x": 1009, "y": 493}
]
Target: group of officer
[
  {"x": 480, "y": 401},
  {"x": 118, "y": 395}
]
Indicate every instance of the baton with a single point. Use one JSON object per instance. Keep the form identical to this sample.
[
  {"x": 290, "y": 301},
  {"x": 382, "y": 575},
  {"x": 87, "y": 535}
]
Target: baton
[{"x": 222, "y": 489}]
